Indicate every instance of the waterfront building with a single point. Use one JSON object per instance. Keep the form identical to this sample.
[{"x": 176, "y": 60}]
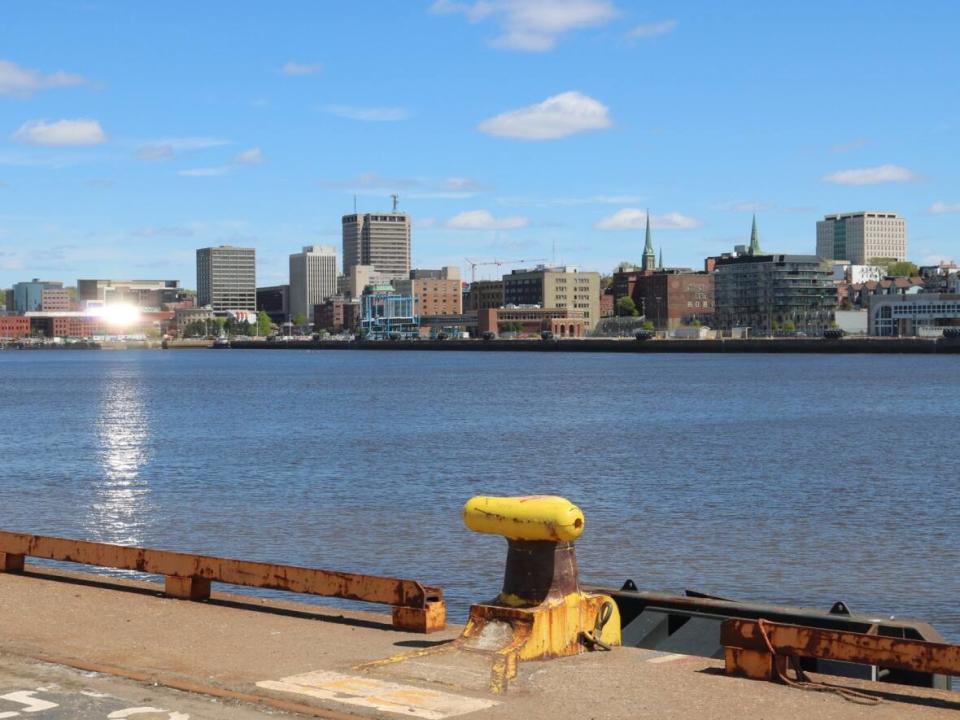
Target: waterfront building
[
  {"x": 184, "y": 316},
  {"x": 861, "y": 236},
  {"x": 13, "y": 327},
  {"x": 28, "y": 296},
  {"x": 56, "y": 300},
  {"x": 667, "y": 297},
  {"x": 274, "y": 300},
  {"x": 378, "y": 239},
  {"x": 452, "y": 325},
  {"x": 388, "y": 314},
  {"x": 483, "y": 294},
  {"x": 140, "y": 293},
  {"x": 920, "y": 314},
  {"x": 562, "y": 287},
  {"x": 313, "y": 278},
  {"x": 436, "y": 292},
  {"x": 227, "y": 278},
  {"x": 563, "y": 323},
  {"x": 6, "y": 300},
  {"x": 337, "y": 314},
  {"x": 770, "y": 292}
]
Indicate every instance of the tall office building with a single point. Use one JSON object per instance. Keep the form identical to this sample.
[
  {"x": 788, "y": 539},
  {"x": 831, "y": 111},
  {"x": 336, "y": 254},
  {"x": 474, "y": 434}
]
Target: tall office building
[
  {"x": 313, "y": 278},
  {"x": 378, "y": 239},
  {"x": 227, "y": 278},
  {"x": 859, "y": 237},
  {"x": 28, "y": 296}
]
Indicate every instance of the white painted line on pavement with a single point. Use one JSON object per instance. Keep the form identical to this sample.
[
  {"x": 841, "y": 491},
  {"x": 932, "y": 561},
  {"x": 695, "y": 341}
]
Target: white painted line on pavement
[{"x": 379, "y": 695}]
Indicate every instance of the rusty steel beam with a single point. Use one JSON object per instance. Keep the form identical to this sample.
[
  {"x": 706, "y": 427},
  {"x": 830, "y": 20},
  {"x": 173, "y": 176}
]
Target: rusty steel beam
[
  {"x": 188, "y": 576},
  {"x": 747, "y": 652}
]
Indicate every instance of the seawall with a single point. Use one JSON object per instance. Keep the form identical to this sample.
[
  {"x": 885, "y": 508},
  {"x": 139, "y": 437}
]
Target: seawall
[{"x": 913, "y": 346}]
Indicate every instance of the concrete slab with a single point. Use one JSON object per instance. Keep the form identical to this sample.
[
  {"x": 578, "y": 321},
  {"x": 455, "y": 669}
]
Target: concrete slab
[{"x": 296, "y": 657}]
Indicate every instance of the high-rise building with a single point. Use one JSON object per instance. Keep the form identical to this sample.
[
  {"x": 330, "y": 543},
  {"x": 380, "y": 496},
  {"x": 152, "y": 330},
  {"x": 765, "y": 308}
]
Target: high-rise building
[
  {"x": 313, "y": 278},
  {"x": 28, "y": 296},
  {"x": 227, "y": 278},
  {"x": 378, "y": 239},
  {"x": 555, "y": 288},
  {"x": 859, "y": 237}
]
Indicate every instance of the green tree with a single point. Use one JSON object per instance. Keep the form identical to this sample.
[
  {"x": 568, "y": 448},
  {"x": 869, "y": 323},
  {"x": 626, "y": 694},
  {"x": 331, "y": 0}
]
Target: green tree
[
  {"x": 300, "y": 321},
  {"x": 902, "y": 268},
  {"x": 263, "y": 323},
  {"x": 648, "y": 325},
  {"x": 626, "y": 307},
  {"x": 789, "y": 326}
]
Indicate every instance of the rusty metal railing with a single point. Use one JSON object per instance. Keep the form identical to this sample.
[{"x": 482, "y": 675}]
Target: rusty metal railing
[
  {"x": 759, "y": 649},
  {"x": 416, "y": 607}
]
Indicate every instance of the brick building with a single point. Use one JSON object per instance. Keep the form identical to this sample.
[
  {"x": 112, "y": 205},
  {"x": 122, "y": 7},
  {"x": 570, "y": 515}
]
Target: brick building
[
  {"x": 483, "y": 294},
  {"x": 435, "y": 292},
  {"x": 336, "y": 315},
  {"x": 532, "y": 321},
  {"x": 14, "y": 326}
]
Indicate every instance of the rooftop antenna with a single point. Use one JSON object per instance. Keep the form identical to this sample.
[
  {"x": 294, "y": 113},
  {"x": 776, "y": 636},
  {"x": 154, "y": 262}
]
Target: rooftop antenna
[
  {"x": 354, "y": 202},
  {"x": 396, "y": 199}
]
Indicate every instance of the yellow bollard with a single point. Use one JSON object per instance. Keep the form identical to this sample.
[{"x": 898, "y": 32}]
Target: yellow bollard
[{"x": 541, "y": 601}]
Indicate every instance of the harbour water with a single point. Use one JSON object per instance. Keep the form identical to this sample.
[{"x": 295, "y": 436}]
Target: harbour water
[{"x": 784, "y": 478}]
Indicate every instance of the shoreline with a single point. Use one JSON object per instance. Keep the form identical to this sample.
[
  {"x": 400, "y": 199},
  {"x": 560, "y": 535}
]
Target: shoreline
[{"x": 883, "y": 346}]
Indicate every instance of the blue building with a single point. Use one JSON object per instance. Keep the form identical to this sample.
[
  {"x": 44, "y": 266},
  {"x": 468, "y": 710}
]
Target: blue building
[{"x": 28, "y": 296}]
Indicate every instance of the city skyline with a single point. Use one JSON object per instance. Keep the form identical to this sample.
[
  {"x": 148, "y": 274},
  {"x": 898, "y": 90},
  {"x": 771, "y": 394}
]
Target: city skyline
[{"x": 115, "y": 165}]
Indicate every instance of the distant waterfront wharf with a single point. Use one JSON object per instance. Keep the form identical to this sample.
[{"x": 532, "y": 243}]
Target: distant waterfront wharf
[{"x": 911, "y": 346}]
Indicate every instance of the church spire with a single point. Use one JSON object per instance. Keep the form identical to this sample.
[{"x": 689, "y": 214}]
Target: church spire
[
  {"x": 755, "y": 238},
  {"x": 649, "y": 256}
]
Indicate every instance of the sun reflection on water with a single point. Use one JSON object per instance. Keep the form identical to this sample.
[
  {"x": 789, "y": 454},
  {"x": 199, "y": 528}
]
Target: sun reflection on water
[{"x": 120, "y": 504}]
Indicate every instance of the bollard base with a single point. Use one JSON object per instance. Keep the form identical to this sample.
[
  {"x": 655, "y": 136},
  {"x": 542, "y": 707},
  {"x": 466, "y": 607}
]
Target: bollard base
[
  {"x": 11, "y": 563},
  {"x": 187, "y": 588},
  {"x": 432, "y": 618}
]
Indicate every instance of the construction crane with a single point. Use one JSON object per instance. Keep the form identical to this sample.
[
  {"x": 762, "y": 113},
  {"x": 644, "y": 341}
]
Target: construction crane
[{"x": 474, "y": 264}]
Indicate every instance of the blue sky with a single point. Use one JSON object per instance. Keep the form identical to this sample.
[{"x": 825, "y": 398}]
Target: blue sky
[{"x": 133, "y": 133}]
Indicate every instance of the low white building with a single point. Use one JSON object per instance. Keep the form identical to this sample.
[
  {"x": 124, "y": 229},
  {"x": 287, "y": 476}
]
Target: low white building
[
  {"x": 923, "y": 314},
  {"x": 857, "y": 274}
]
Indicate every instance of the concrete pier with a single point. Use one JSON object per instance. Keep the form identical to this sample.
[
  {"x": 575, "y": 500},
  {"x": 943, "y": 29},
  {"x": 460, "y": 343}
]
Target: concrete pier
[{"x": 95, "y": 647}]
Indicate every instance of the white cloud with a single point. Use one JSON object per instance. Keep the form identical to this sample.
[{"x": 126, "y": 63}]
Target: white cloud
[
  {"x": 169, "y": 147},
  {"x": 427, "y": 222},
  {"x": 253, "y": 156},
  {"x": 942, "y": 208},
  {"x": 532, "y": 25},
  {"x": 634, "y": 219},
  {"x": 294, "y": 69},
  {"x": 653, "y": 29},
  {"x": 368, "y": 114},
  {"x": 513, "y": 201},
  {"x": 205, "y": 171},
  {"x": 22, "y": 82},
  {"x": 61, "y": 133},
  {"x": 872, "y": 176},
  {"x": 556, "y": 117},
  {"x": 483, "y": 220}
]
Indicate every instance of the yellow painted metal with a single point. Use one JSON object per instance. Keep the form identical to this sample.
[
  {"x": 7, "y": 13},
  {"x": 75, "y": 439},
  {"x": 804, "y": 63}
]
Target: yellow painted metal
[{"x": 535, "y": 517}]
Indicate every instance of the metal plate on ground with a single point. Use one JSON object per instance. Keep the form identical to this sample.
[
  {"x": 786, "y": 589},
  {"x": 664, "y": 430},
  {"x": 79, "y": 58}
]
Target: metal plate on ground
[{"x": 367, "y": 692}]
